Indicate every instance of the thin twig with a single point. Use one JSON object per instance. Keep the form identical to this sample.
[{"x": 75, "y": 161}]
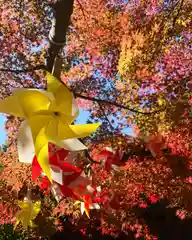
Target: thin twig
[
  {"x": 116, "y": 104},
  {"x": 101, "y": 101},
  {"x": 109, "y": 122},
  {"x": 82, "y": 9},
  {"x": 38, "y": 67},
  {"x": 103, "y": 110}
]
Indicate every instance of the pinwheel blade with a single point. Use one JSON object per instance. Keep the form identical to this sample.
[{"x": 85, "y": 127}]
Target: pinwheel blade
[{"x": 25, "y": 145}]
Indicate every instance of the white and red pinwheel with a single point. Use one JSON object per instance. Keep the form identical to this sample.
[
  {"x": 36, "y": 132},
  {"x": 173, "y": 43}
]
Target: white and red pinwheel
[
  {"x": 87, "y": 202},
  {"x": 58, "y": 164},
  {"x": 68, "y": 180}
]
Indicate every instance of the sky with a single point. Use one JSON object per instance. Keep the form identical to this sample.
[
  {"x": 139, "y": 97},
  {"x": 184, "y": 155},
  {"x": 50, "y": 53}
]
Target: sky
[
  {"x": 83, "y": 115},
  {"x": 3, "y": 136}
]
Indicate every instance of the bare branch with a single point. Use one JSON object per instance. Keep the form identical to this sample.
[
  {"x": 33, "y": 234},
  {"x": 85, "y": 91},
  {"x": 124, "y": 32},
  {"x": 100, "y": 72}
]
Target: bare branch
[
  {"x": 101, "y": 101},
  {"x": 17, "y": 71},
  {"x": 109, "y": 122},
  {"x": 57, "y": 36}
]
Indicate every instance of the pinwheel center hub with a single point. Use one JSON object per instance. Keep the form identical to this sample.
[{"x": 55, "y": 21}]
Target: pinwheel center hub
[{"x": 56, "y": 113}]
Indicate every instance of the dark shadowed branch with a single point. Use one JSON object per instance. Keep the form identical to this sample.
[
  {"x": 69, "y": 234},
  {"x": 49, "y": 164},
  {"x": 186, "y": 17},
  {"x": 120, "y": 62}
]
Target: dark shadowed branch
[
  {"x": 57, "y": 36},
  {"x": 17, "y": 71},
  {"x": 101, "y": 101}
]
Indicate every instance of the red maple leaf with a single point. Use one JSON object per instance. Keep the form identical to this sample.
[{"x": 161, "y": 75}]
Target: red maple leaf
[
  {"x": 155, "y": 143},
  {"x": 111, "y": 158}
]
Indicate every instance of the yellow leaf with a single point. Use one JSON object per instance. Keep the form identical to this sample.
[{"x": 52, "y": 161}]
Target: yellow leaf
[
  {"x": 28, "y": 212},
  {"x": 161, "y": 101}
]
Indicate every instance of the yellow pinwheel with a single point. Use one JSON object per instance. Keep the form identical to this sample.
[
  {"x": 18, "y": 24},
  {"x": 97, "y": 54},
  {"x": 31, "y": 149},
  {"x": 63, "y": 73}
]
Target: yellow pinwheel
[
  {"x": 28, "y": 213},
  {"x": 49, "y": 115}
]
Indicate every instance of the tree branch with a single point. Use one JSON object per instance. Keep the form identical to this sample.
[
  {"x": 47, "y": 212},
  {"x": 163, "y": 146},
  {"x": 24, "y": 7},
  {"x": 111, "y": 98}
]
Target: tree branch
[
  {"x": 38, "y": 67},
  {"x": 57, "y": 36},
  {"x": 101, "y": 101},
  {"x": 109, "y": 122}
]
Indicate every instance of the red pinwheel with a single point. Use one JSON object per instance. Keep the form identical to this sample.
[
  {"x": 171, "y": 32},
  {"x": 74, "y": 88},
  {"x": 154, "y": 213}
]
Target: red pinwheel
[
  {"x": 89, "y": 202},
  {"x": 59, "y": 167},
  {"x": 61, "y": 171},
  {"x": 68, "y": 180},
  {"x": 77, "y": 187},
  {"x": 59, "y": 191}
]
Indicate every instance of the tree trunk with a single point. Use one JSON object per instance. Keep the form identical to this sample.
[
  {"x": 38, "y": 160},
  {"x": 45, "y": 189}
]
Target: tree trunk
[{"x": 57, "y": 36}]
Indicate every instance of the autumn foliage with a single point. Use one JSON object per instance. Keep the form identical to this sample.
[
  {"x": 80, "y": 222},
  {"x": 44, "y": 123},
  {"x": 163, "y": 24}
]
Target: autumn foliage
[{"x": 129, "y": 65}]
